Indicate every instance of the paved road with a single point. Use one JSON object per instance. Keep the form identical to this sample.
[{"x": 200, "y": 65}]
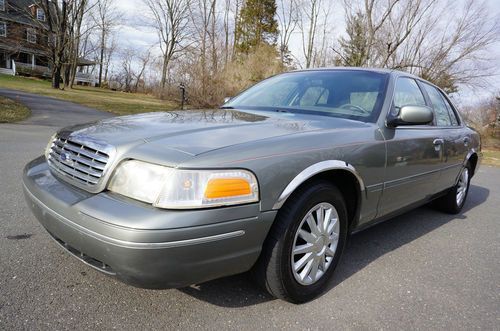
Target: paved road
[
  {"x": 422, "y": 270},
  {"x": 53, "y": 112}
]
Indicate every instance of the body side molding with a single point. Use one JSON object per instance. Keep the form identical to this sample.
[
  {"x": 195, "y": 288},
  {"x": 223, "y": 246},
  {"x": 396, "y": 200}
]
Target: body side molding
[{"x": 314, "y": 170}]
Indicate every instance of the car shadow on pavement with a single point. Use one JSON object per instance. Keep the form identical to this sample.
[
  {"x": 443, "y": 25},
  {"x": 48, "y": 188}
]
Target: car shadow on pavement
[{"x": 362, "y": 249}]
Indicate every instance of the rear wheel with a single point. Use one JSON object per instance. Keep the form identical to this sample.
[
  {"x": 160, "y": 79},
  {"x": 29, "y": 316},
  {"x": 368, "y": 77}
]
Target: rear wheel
[
  {"x": 305, "y": 244},
  {"x": 454, "y": 200}
]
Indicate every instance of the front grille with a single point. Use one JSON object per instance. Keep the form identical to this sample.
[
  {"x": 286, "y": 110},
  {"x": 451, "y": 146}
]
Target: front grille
[{"x": 82, "y": 163}]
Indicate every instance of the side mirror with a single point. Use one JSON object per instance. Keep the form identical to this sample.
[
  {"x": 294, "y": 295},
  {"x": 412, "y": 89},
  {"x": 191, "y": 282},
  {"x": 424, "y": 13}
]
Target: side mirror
[
  {"x": 226, "y": 99},
  {"x": 411, "y": 115}
]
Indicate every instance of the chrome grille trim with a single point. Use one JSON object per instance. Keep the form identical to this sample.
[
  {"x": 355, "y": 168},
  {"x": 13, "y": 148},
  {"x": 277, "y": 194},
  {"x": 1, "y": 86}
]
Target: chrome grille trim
[
  {"x": 85, "y": 151},
  {"x": 74, "y": 160}
]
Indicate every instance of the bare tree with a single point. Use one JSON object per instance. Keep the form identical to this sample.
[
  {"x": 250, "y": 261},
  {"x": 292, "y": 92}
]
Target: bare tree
[
  {"x": 201, "y": 14},
  {"x": 64, "y": 20},
  {"x": 315, "y": 27},
  {"x": 226, "y": 28},
  {"x": 126, "y": 75},
  {"x": 446, "y": 43},
  {"x": 143, "y": 61},
  {"x": 461, "y": 54},
  {"x": 288, "y": 19},
  {"x": 106, "y": 17},
  {"x": 308, "y": 26},
  {"x": 109, "y": 52},
  {"x": 75, "y": 33},
  {"x": 170, "y": 19},
  {"x": 236, "y": 14},
  {"x": 322, "y": 56}
]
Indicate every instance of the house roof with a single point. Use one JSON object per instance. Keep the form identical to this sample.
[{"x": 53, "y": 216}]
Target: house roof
[
  {"x": 85, "y": 62},
  {"x": 18, "y": 11},
  {"x": 16, "y": 48}
]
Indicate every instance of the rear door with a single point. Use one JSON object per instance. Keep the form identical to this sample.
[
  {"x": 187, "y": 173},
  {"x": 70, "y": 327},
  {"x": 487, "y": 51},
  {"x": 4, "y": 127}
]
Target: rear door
[
  {"x": 455, "y": 144},
  {"x": 414, "y": 154}
]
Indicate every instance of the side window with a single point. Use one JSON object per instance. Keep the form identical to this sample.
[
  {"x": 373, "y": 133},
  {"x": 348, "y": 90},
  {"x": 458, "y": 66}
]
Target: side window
[
  {"x": 440, "y": 111},
  {"x": 31, "y": 35},
  {"x": 314, "y": 96},
  {"x": 40, "y": 14},
  {"x": 407, "y": 93},
  {"x": 453, "y": 115}
]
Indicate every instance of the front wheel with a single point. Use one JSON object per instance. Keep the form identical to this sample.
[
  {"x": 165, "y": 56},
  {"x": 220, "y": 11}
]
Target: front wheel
[
  {"x": 454, "y": 200},
  {"x": 305, "y": 244}
]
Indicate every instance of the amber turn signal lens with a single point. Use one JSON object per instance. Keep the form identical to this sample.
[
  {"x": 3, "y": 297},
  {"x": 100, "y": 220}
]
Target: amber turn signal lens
[{"x": 227, "y": 187}]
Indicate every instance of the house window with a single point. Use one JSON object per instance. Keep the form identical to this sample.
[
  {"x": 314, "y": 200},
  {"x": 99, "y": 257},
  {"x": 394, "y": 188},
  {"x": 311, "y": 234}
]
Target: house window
[
  {"x": 3, "y": 29},
  {"x": 51, "y": 40},
  {"x": 40, "y": 14},
  {"x": 2, "y": 5},
  {"x": 31, "y": 35}
]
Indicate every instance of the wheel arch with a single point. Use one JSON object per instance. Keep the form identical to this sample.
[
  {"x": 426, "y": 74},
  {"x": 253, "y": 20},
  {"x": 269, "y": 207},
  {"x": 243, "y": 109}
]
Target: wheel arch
[
  {"x": 339, "y": 173},
  {"x": 473, "y": 159}
]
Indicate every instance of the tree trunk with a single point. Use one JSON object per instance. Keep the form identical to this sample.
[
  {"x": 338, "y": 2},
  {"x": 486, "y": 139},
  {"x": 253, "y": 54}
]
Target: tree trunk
[
  {"x": 102, "y": 56},
  {"x": 56, "y": 77},
  {"x": 164, "y": 74}
]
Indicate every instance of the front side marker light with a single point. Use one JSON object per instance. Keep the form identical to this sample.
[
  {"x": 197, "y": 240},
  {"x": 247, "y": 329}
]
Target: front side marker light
[{"x": 227, "y": 188}]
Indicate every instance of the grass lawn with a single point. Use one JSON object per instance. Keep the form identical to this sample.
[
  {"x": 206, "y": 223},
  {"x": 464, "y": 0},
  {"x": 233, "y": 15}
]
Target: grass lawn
[
  {"x": 12, "y": 111},
  {"x": 491, "y": 157},
  {"x": 111, "y": 101},
  {"x": 491, "y": 151}
]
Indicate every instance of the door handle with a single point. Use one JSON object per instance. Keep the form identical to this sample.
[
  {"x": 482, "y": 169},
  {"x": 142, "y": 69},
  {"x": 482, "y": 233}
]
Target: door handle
[{"x": 437, "y": 144}]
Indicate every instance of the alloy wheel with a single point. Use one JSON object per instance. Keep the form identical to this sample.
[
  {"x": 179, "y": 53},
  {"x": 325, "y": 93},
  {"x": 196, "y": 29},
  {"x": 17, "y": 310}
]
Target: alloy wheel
[
  {"x": 315, "y": 243},
  {"x": 463, "y": 184}
]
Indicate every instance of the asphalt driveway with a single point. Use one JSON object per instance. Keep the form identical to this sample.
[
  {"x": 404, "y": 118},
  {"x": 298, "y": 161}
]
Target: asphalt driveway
[
  {"x": 422, "y": 270},
  {"x": 52, "y": 112}
]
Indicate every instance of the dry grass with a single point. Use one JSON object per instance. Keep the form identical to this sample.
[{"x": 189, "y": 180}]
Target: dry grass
[
  {"x": 12, "y": 111},
  {"x": 491, "y": 151},
  {"x": 491, "y": 157},
  {"x": 120, "y": 103}
]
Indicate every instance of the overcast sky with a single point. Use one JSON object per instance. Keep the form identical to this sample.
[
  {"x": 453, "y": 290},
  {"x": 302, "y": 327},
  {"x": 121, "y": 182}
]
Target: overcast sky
[{"x": 133, "y": 33}]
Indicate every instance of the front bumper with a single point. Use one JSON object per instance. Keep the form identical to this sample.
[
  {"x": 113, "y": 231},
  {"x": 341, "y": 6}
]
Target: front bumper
[{"x": 143, "y": 245}]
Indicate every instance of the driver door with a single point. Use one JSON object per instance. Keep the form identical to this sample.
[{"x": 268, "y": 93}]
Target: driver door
[{"x": 414, "y": 155}]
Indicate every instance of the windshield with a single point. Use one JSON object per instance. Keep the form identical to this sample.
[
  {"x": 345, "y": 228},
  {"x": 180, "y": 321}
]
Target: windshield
[{"x": 350, "y": 94}]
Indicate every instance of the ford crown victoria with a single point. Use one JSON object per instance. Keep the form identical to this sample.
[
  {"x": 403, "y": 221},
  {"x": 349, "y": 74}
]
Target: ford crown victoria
[{"x": 273, "y": 182}]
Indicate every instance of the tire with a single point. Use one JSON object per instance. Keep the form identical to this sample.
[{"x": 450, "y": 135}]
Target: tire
[
  {"x": 274, "y": 270},
  {"x": 452, "y": 203}
]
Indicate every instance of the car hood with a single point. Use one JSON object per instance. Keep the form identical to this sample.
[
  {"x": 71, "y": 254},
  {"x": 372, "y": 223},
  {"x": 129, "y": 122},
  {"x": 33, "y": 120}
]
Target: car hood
[{"x": 196, "y": 132}]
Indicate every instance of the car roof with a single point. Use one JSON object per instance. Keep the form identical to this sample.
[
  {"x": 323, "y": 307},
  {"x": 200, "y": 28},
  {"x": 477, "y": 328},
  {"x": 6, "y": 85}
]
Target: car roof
[{"x": 377, "y": 70}]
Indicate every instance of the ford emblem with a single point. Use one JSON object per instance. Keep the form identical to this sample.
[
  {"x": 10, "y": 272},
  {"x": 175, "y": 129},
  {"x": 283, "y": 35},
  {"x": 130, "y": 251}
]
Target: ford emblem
[{"x": 66, "y": 157}]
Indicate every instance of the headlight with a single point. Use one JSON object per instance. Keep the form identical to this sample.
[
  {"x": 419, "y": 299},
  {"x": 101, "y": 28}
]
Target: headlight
[{"x": 183, "y": 189}]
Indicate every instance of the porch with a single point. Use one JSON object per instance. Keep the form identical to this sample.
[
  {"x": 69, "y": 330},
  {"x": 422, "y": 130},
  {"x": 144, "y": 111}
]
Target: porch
[{"x": 30, "y": 64}]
